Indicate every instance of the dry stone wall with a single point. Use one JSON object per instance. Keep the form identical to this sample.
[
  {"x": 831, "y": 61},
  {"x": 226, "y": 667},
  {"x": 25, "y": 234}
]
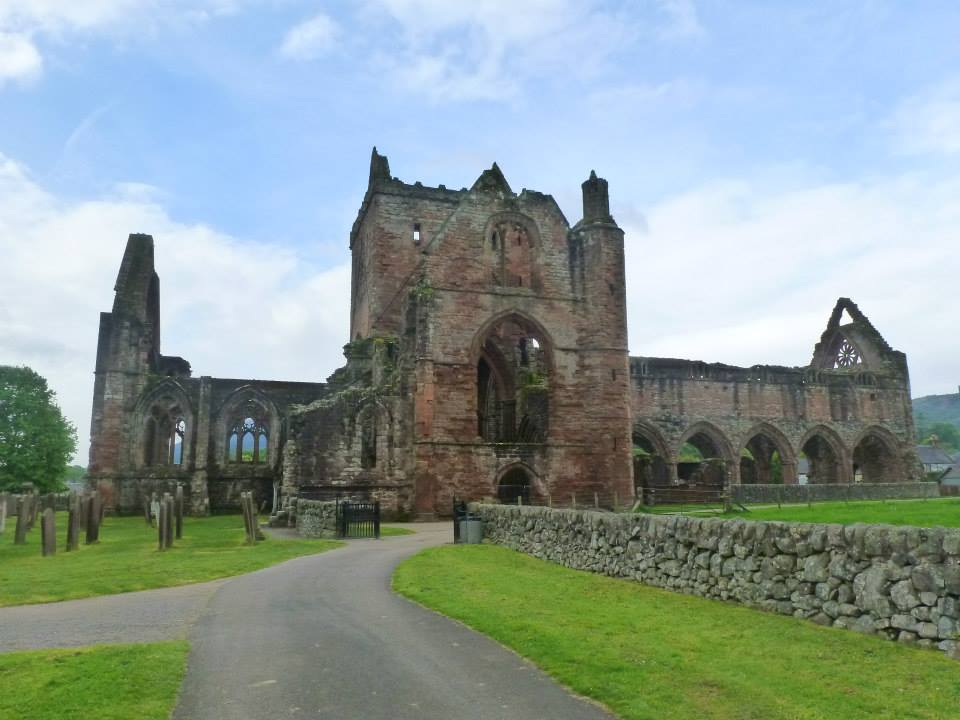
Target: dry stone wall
[
  {"x": 901, "y": 583},
  {"x": 316, "y": 519},
  {"x": 819, "y": 493}
]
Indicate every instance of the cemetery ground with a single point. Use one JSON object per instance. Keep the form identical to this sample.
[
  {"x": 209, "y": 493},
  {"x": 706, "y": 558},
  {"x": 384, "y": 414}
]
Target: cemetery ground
[
  {"x": 108, "y": 682},
  {"x": 126, "y": 559},
  {"x": 650, "y": 653},
  {"x": 943, "y": 512}
]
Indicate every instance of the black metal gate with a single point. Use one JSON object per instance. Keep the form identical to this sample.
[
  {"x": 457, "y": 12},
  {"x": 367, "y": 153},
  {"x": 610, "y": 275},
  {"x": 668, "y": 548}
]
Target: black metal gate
[{"x": 358, "y": 519}]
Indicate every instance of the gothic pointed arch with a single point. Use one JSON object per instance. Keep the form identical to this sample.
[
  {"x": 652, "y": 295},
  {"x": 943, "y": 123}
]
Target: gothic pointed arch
[
  {"x": 826, "y": 455},
  {"x": 767, "y": 456},
  {"x": 513, "y": 357},
  {"x": 163, "y": 426},
  {"x": 876, "y": 457},
  {"x": 705, "y": 455},
  {"x": 652, "y": 459},
  {"x": 517, "y": 481},
  {"x": 248, "y": 428}
]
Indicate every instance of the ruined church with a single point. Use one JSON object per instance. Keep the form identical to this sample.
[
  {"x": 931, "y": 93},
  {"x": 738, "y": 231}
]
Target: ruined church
[{"x": 487, "y": 358}]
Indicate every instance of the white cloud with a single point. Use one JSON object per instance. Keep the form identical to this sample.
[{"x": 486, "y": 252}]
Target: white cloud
[
  {"x": 22, "y": 22},
  {"x": 231, "y": 307},
  {"x": 929, "y": 122},
  {"x": 743, "y": 273},
  {"x": 19, "y": 59},
  {"x": 310, "y": 39},
  {"x": 486, "y": 49}
]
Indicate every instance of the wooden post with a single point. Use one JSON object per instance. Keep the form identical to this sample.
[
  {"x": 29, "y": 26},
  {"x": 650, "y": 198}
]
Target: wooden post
[
  {"x": 596, "y": 500},
  {"x": 93, "y": 519},
  {"x": 23, "y": 508},
  {"x": 549, "y": 500},
  {"x": 179, "y": 510},
  {"x": 573, "y": 500},
  {"x": 48, "y": 532}
]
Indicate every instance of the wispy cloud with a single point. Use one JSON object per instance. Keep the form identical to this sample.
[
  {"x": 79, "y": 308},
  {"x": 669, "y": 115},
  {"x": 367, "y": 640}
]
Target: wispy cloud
[
  {"x": 20, "y": 61},
  {"x": 929, "y": 122},
  {"x": 310, "y": 39}
]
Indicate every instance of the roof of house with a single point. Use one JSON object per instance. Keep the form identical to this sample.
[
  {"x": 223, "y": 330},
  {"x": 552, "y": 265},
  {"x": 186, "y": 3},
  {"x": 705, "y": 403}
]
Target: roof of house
[{"x": 930, "y": 455}]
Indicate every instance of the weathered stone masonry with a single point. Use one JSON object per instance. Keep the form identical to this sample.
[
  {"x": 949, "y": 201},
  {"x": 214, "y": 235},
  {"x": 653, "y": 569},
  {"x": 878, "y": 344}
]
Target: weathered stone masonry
[
  {"x": 901, "y": 583},
  {"x": 487, "y": 358}
]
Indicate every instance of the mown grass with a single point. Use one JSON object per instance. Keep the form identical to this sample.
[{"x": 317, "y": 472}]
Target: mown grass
[
  {"x": 921, "y": 513},
  {"x": 127, "y": 559},
  {"x": 394, "y": 531},
  {"x": 652, "y": 654},
  {"x": 106, "y": 682}
]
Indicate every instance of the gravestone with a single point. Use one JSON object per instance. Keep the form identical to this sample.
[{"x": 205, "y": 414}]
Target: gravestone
[
  {"x": 48, "y": 532},
  {"x": 23, "y": 509},
  {"x": 179, "y": 511},
  {"x": 73, "y": 522},
  {"x": 168, "y": 520},
  {"x": 3, "y": 512},
  {"x": 93, "y": 519}
]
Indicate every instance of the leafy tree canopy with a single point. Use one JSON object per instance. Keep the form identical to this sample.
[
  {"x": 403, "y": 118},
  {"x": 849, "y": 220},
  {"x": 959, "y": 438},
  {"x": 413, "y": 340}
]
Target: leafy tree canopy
[
  {"x": 36, "y": 441},
  {"x": 945, "y": 434}
]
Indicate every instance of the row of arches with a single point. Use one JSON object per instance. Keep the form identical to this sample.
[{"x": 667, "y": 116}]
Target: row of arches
[
  {"x": 245, "y": 424},
  {"x": 705, "y": 455}
]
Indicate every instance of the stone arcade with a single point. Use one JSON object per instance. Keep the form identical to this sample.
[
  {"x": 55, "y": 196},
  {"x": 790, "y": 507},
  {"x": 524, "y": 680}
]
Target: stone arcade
[{"x": 488, "y": 357}]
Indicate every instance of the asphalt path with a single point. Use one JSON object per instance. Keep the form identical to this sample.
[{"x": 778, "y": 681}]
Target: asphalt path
[
  {"x": 147, "y": 616},
  {"x": 323, "y": 636}
]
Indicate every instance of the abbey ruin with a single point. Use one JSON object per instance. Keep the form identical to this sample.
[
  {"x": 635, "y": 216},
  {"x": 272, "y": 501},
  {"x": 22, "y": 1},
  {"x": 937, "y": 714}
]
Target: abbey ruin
[{"x": 487, "y": 358}]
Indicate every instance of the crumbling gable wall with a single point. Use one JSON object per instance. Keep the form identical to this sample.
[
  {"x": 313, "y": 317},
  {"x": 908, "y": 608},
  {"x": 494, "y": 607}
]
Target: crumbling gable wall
[{"x": 848, "y": 413}]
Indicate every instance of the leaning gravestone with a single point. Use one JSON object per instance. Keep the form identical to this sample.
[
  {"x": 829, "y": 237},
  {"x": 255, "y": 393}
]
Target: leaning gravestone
[
  {"x": 23, "y": 509},
  {"x": 48, "y": 532}
]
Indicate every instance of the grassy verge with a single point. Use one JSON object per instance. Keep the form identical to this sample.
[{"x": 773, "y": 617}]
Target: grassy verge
[
  {"x": 648, "y": 653},
  {"x": 921, "y": 513},
  {"x": 393, "y": 531},
  {"x": 127, "y": 559},
  {"x": 107, "y": 682}
]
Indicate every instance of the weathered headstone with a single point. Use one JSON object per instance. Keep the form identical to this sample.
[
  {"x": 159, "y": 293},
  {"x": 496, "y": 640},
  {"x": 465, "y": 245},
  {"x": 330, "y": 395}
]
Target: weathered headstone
[
  {"x": 146, "y": 511},
  {"x": 168, "y": 520},
  {"x": 179, "y": 511},
  {"x": 3, "y": 512},
  {"x": 23, "y": 510},
  {"x": 249, "y": 517},
  {"x": 48, "y": 532},
  {"x": 73, "y": 522},
  {"x": 93, "y": 518},
  {"x": 154, "y": 508},
  {"x": 161, "y": 526}
]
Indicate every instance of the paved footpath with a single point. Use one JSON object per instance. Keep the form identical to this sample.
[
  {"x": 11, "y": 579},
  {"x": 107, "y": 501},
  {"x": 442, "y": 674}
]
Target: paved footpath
[
  {"x": 324, "y": 637},
  {"x": 320, "y": 636}
]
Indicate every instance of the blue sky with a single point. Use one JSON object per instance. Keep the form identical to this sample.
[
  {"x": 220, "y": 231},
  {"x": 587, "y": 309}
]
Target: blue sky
[{"x": 763, "y": 157}]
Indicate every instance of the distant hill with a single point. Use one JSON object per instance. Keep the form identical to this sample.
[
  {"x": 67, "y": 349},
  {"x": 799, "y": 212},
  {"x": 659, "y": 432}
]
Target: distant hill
[{"x": 932, "y": 409}]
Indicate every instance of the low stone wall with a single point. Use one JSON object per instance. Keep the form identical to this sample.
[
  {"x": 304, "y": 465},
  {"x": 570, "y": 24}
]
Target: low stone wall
[
  {"x": 902, "y": 583},
  {"x": 819, "y": 493},
  {"x": 316, "y": 519}
]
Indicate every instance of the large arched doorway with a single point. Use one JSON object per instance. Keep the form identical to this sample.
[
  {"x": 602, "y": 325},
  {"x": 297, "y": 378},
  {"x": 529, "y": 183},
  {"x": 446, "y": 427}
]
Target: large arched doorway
[
  {"x": 651, "y": 463},
  {"x": 875, "y": 459},
  {"x": 702, "y": 457},
  {"x": 824, "y": 456},
  {"x": 513, "y": 382},
  {"x": 514, "y": 487},
  {"x": 766, "y": 458}
]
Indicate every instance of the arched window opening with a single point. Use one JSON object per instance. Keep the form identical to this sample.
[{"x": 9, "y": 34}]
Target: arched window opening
[
  {"x": 248, "y": 434},
  {"x": 700, "y": 462},
  {"x": 512, "y": 384},
  {"x": 164, "y": 433},
  {"x": 511, "y": 243},
  {"x": 822, "y": 461},
  {"x": 761, "y": 462},
  {"x": 514, "y": 486},
  {"x": 874, "y": 461}
]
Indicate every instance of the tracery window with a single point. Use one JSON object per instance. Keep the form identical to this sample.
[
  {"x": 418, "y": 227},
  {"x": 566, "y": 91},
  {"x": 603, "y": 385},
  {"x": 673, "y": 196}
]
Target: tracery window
[
  {"x": 165, "y": 431},
  {"x": 847, "y": 356},
  {"x": 248, "y": 434}
]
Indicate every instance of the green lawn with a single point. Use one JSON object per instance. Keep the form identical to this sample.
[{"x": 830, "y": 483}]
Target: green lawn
[
  {"x": 921, "y": 513},
  {"x": 127, "y": 559},
  {"x": 652, "y": 654},
  {"x": 394, "y": 531},
  {"x": 106, "y": 682}
]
